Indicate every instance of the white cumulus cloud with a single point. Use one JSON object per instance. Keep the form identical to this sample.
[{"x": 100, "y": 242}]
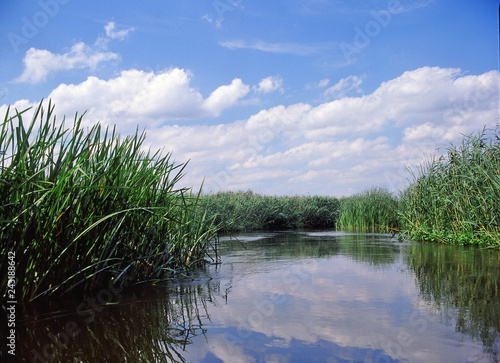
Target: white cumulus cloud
[
  {"x": 270, "y": 84},
  {"x": 39, "y": 63},
  {"x": 225, "y": 96},
  {"x": 145, "y": 98}
]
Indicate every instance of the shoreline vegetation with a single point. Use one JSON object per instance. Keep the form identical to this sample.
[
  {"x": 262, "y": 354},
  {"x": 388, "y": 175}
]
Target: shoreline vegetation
[
  {"x": 456, "y": 198},
  {"x": 86, "y": 209},
  {"x": 374, "y": 210}
]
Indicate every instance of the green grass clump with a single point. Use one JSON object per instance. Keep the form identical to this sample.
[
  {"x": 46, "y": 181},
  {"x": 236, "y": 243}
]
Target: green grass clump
[
  {"x": 456, "y": 198},
  {"x": 244, "y": 211},
  {"x": 374, "y": 210},
  {"x": 83, "y": 209}
]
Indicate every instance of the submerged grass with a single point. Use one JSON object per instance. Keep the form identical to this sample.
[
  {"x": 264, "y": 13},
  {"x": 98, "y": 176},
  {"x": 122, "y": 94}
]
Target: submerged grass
[
  {"x": 84, "y": 209},
  {"x": 456, "y": 198}
]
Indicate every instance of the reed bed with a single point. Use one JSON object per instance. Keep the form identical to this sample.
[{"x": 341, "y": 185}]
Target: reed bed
[
  {"x": 456, "y": 198},
  {"x": 244, "y": 211},
  {"x": 84, "y": 209},
  {"x": 373, "y": 210}
]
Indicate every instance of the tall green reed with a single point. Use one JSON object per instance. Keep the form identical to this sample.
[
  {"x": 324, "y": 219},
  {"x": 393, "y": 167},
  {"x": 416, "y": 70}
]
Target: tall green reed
[
  {"x": 456, "y": 198},
  {"x": 82, "y": 209},
  {"x": 373, "y": 210}
]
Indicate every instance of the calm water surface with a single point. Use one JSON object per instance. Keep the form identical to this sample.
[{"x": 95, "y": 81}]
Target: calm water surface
[{"x": 291, "y": 297}]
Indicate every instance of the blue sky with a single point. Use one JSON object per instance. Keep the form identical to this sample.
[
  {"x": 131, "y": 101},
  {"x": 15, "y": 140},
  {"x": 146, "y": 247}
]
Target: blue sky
[{"x": 282, "y": 97}]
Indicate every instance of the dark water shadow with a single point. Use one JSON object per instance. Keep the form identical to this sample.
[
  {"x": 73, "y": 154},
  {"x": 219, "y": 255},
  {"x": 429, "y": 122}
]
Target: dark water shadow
[{"x": 153, "y": 324}]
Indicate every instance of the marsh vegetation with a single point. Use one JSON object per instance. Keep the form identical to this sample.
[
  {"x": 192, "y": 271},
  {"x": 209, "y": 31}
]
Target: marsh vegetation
[
  {"x": 456, "y": 198},
  {"x": 247, "y": 211},
  {"x": 81, "y": 209}
]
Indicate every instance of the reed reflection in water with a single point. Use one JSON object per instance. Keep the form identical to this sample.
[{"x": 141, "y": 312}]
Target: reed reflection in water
[
  {"x": 154, "y": 324},
  {"x": 296, "y": 297}
]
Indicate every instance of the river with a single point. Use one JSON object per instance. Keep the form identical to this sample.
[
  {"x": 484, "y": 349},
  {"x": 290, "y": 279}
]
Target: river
[{"x": 324, "y": 296}]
